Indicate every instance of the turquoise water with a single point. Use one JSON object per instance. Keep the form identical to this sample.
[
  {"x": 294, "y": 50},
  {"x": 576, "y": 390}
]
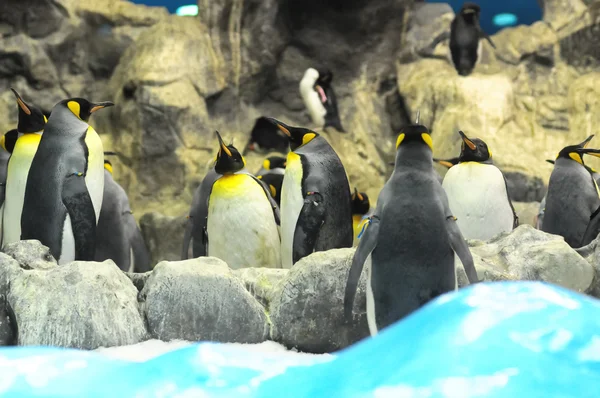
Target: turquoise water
[{"x": 509, "y": 339}]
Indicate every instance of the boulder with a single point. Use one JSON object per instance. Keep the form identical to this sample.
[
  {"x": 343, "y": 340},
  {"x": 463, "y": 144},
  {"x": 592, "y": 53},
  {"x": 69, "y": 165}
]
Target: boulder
[
  {"x": 79, "y": 305},
  {"x": 307, "y": 310},
  {"x": 201, "y": 299},
  {"x": 262, "y": 283},
  {"x": 31, "y": 254}
]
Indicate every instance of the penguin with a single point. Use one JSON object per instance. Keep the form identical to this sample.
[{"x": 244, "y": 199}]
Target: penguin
[
  {"x": 65, "y": 184},
  {"x": 316, "y": 212},
  {"x": 4, "y": 157},
  {"x": 319, "y": 98},
  {"x": 242, "y": 221},
  {"x": 328, "y": 99},
  {"x": 465, "y": 32},
  {"x": 447, "y": 163},
  {"x": 411, "y": 238},
  {"x": 361, "y": 209},
  {"x": 272, "y": 164},
  {"x": 273, "y": 181},
  {"x": 23, "y": 145},
  {"x": 117, "y": 235},
  {"x": 265, "y": 137},
  {"x": 478, "y": 193},
  {"x": 572, "y": 197}
]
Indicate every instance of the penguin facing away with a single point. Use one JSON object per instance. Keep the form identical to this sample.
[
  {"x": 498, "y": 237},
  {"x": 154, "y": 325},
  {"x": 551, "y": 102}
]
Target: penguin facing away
[
  {"x": 572, "y": 196},
  {"x": 242, "y": 222},
  {"x": 265, "y": 137},
  {"x": 465, "y": 32},
  {"x": 477, "y": 193},
  {"x": 24, "y": 146},
  {"x": 65, "y": 185},
  {"x": 410, "y": 241},
  {"x": 273, "y": 181},
  {"x": 315, "y": 197},
  {"x": 361, "y": 208},
  {"x": 272, "y": 164}
]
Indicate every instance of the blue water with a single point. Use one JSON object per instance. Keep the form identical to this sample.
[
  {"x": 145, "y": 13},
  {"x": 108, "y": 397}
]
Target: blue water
[{"x": 509, "y": 339}]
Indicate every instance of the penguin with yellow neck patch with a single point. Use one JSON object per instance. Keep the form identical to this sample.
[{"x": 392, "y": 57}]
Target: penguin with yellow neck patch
[
  {"x": 23, "y": 144},
  {"x": 572, "y": 198},
  {"x": 271, "y": 174},
  {"x": 242, "y": 219},
  {"x": 478, "y": 193},
  {"x": 316, "y": 213},
  {"x": 65, "y": 185},
  {"x": 361, "y": 208}
]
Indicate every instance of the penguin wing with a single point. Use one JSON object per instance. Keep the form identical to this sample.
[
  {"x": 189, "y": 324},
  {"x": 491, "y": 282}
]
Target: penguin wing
[
  {"x": 310, "y": 221},
  {"x": 515, "y": 217},
  {"x": 78, "y": 202},
  {"x": 187, "y": 237},
  {"x": 271, "y": 200},
  {"x": 593, "y": 228},
  {"x": 366, "y": 245},
  {"x": 141, "y": 254},
  {"x": 485, "y": 36},
  {"x": 199, "y": 213}
]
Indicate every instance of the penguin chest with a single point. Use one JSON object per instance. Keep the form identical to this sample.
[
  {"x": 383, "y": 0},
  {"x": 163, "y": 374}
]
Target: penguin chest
[
  {"x": 94, "y": 179},
  {"x": 292, "y": 201},
  {"x": 16, "y": 182},
  {"x": 313, "y": 103},
  {"x": 478, "y": 199},
  {"x": 241, "y": 226}
]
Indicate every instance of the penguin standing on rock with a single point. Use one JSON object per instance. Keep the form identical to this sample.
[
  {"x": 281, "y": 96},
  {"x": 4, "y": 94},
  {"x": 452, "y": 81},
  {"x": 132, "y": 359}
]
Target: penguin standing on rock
[
  {"x": 65, "y": 185},
  {"x": 465, "y": 32},
  {"x": 411, "y": 239},
  {"x": 23, "y": 144},
  {"x": 319, "y": 98},
  {"x": 316, "y": 212},
  {"x": 478, "y": 194}
]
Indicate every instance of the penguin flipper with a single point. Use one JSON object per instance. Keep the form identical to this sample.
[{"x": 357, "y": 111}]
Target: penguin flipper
[
  {"x": 141, "y": 254},
  {"x": 460, "y": 247},
  {"x": 310, "y": 220},
  {"x": 488, "y": 38},
  {"x": 365, "y": 247},
  {"x": 593, "y": 228},
  {"x": 515, "y": 217},
  {"x": 272, "y": 201},
  {"x": 78, "y": 202}
]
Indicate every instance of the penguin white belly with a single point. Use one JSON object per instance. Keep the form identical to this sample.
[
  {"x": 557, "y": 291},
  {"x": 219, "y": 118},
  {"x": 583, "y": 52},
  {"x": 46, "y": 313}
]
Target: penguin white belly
[
  {"x": 16, "y": 182},
  {"x": 292, "y": 201},
  {"x": 371, "y": 320},
  {"x": 241, "y": 226},
  {"x": 478, "y": 199},
  {"x": 94, "y": 179},
  {"x": 312, "y": 102},
  {"x": 67, "y": 251}
]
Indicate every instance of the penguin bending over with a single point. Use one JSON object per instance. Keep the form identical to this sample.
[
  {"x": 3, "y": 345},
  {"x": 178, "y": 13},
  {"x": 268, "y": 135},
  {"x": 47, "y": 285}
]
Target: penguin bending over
[
  {"x": 411, "y": 239},
  {"x": 65, "y": 185},
  {"x": 265, "y": 137},
  {"x": 316, "y": 213},
  {"x": 242, "y": 221},
  {"x": 572, "y": 198},
  {"x": 361, "y": 209},
  {"x": 465, "y": 32},
  {"x": 23, "y": 145},
  {"x": 118, "y": 237},
  {"x": 478, "y": 193}
]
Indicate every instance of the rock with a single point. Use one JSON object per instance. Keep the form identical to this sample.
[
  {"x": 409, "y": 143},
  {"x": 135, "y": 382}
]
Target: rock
[
  {"x": 307, "y": 310},
  {"x": 201, "y": 299},
  {"x": 31, "y": 254},
  {"x": 591, "y": 253},
  {"x": 9, "y": 267},
  {"x": 138, "y": 279},
  {"x": 163, "y": 236},
  {"x": 428, "y": 26},
  {"x": 526, "y": 211},
  {"x": 80, "y": 305},
  {"x": 262, "y": 283},
  {"x": 559, "y": 13}
]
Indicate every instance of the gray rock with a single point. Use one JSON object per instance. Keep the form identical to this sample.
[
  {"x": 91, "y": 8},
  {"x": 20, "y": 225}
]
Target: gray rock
[
  {"x": 559, "y": 13},
  {"x": 307, "y": 311},
  {"x": 201, "y": 299},
  {"x": 138, "y": 279},
  {"x": 9, "y": 267},
  {"x": 163, "y": 235},
  {"x": 31, "y": 254},
  {"x": 81, "y": 305},
  {"x": 428, "y": 26},
  {"x": 262, "y": 283},
  {"x": 591, "y": 253}
]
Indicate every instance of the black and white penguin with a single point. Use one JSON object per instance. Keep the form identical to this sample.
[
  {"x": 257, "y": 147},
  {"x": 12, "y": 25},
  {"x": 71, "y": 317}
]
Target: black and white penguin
[
  {"x": 319, "y": 98},
  {"x": 274, "y": 182},
  {"x": 316, "y": 212},
  {"x": 117, "y": 235},
  {"x": 23, "y": 144},
  {"x": 478, "y": 193},
  {"x": 465, "y": 32},
  {"x": 410, "y": 241},
  {"x": 265, "y": 137},
  {"x": 272, "y": 164},
  {"x": 361, "y": 211},
  {"x": 65, "y": 185}
]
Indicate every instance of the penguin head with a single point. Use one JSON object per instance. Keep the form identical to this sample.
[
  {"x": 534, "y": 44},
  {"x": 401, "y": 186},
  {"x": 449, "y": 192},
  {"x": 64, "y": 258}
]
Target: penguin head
[
  {"x": 414, "y": 133},
  {"x": 229, "y": 160},
  {"x": 573, "y": 152},
  {"x": 473, "y": 150},
  {"x": 273, "y": 182},
  {"x": 447, "y": 162},
  {"x": 470, "y": 12},
  {"x": 274, "y": 162},
  {"x": 108, "y": 166},
  {"x": 265, "y": 136},
  {"x": 8, "y": 140},
  {"x": 31, "y": 119},
  {"x": 360, "y": 202},
  {"x": 83, "y": 108},
  {"x": 325, "y": 77},
  {"x": 298, "y": 136}
]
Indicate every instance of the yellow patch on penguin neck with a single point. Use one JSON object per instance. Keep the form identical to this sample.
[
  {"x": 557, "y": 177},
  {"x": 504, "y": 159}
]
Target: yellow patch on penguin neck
[
  {"x": 576, "y": 157},
  {"x": 427, "y": 139},
  {"x": 75, "y": 108},
  {"x": 3, "y": 142},
  {"x": 306, "y": 138},
  {"x": 273, "y": 190},
  {"x": 267, "y": 164},
  {"x": 108, "y": 168},
  {"x": 399, "y": 140}
]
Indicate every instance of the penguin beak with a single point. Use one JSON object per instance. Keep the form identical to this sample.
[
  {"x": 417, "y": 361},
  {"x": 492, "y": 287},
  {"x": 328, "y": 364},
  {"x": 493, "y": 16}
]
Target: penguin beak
[
  {"x": 360, "y": 197},
  {"x": 586, "y": 142},
  {"x": 21, "y": 103},
  {"x": 222, "y": 145},
  {"x": 550, "y": 161},
  {"x": 592, "y": 152},
  {"x": 99, "y": 105},
  {"x": 281, "y": 126},
  {"x": 467, "y": 141},
  {"x": 444, "y": 163}
]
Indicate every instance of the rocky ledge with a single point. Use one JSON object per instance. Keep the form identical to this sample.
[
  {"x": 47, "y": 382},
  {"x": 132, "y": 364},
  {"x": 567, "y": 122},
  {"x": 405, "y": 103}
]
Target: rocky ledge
[{"x": 90, "y": 305}]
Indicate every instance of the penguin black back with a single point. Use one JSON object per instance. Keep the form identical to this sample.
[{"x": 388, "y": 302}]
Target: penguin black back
[
  {"x": 273, "y": 181},
  {"x": 360, "y": 202},
  {"x": 266, "y": 137}
]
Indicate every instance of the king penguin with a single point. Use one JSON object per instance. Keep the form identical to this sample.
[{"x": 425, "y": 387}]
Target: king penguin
[
  {"x": 572, "y": 196},
  {"x": 478, "y": 194},
  {"x": 30, "y": 129},
  {"x": 411, "y": 239},
  {"x": 316, "y": 212},
  {"x": 465, "y": 32},
  {"x": 65, "y": 185},
  {"x": 272, "y": 164},
  {"x": 361, "y": 209},
  {"x": 117, "y": 235},
  {"x": 447, "y": 163},
  {"x": 265, "y": 137},
  {"x": 242, "y": 221}
]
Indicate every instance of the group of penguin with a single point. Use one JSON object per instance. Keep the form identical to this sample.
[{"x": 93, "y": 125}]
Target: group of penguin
[{"x": 57, "y": 188}]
